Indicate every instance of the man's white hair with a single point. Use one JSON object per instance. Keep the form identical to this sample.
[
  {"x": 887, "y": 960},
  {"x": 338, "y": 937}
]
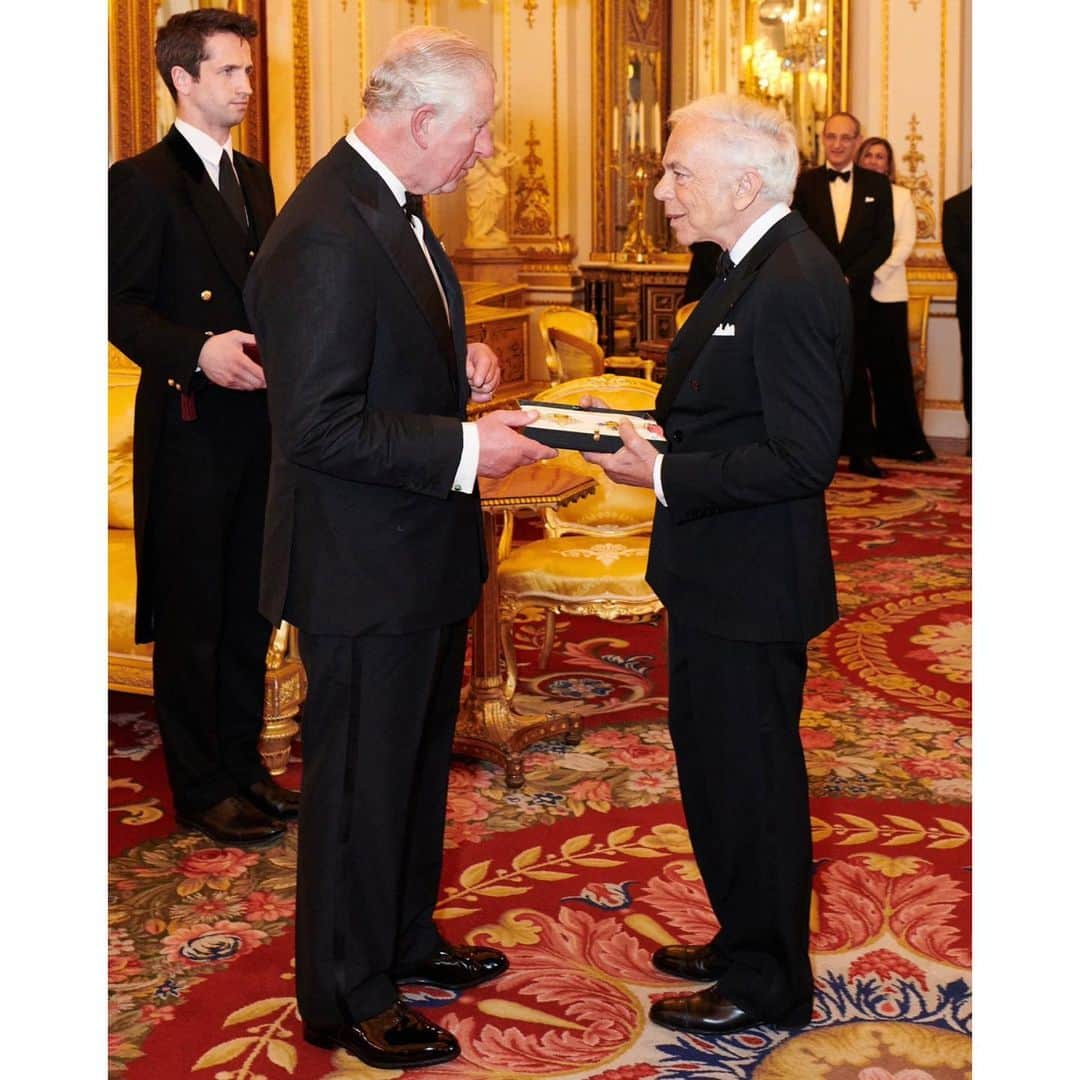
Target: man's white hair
[
  {"x": 426, "y": 65},
  {"x": 750, "y": 136}
]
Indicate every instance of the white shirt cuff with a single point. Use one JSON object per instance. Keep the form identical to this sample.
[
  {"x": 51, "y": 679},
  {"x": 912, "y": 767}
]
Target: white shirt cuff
[
  {"x": 465, "y": 477},
  {"x": 658, "y": 487}
]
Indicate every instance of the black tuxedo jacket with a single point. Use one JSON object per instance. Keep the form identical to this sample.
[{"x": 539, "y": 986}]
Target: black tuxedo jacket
[
  {"x": 753, "y": 418},
  {"x": 367, "y": 389},
  {"x": 868, "y": 236},
  {"x": 178, "y": 261},
  {"x": 956, "y": 240}
]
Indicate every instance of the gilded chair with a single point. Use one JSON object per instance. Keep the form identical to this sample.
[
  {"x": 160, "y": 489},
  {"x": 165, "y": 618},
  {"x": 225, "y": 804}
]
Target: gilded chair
[
  {"x": 918, "y": 322},
  {"x": 131, "y": 665},
  {"x": 583, "y": 325},
  {"x": 575, "y": 357},
  {"x": 592, "y": 558},
  {"x": 684, "y": 313}
]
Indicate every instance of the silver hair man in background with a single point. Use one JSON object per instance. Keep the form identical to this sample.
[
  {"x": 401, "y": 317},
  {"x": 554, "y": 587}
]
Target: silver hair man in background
[
  {"x": 373, "y": 536},
  {"x": 752, "y": 407}
]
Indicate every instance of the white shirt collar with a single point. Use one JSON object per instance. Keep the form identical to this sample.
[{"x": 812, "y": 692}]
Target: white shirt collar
[
  {"x": 756, "y": 230},
  {"x": 206, "y": 146},
  {"x": 397, "y": 188}
]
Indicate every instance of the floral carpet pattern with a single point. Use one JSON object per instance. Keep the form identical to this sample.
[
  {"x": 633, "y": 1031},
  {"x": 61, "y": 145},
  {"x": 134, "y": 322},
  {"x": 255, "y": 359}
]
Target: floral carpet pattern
[{"x": 584, "y": 871}]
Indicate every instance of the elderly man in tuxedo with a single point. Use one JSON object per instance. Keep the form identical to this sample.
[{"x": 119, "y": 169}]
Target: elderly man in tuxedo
[
  {"x": 185, "y": 220},
  {"x": 373, "y": 536},
  {"x": 850, "y": 209},
  {"x": 752, "y": 410}
]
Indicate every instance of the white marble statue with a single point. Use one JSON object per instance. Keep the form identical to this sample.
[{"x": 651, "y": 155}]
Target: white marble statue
[{"x": 485, "y": 200}]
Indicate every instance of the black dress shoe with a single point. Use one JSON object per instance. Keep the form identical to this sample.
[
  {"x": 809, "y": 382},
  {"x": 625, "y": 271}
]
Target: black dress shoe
[
  {"x": 709, "y": 1012},
  {"x": 233, "y": 821},
  {"x": 397, "y": 1038},
  {"x": 921, "y": 455},
  {"x": 457, "y": 967},
  {"x": 866, "y": 466},
  {"x": 687, "y": 962},
  {"x": 274, "y": 800}
]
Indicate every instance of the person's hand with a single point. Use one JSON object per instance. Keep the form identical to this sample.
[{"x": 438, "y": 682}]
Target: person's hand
[
  {"x": 224, "y": 362},
  {"x": 502, "y": 449},
  {"x": 633, "y": 464},
  {"x": 591, "y": 401},
  {"x": 482, "y": 371}
]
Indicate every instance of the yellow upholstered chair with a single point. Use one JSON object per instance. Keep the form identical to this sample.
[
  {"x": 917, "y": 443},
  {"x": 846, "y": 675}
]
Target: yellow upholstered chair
[
  {"x": 131, "y": 665},
  {"x": 592, "y": 558},
  {"x": 918, "y": 322},
  {"x": 575, "y": 357},
  {"x": 582, "y": 324},
  {"x": 684, "y": 313}
]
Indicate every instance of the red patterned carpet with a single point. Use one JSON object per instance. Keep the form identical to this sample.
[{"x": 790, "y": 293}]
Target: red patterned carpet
[{"x": 580, "y": 874}]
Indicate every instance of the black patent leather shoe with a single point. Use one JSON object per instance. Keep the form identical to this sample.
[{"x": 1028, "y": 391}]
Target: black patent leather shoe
[
  {"x": 866, "y": 466},
  {"x": 457, "y": 967},
  {"x": 709, "y": 1012},
  {"x": 687, "y": 962},
  {"x": 233, "y": 821},
  {"x": 397, "y": 1038},
  {"x": 922, "y": 455},
  {"x": 274, "y": 800}
]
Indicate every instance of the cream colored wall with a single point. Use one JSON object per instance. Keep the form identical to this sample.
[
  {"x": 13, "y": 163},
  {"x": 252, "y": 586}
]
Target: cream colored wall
[{"x": 911, "y": 83}]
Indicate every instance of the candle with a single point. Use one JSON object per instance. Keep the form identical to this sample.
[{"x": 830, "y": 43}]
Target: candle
[
  {"x": 641, "y": 125},
  {"x": 656, "y": 126},
  {"x": 615, "y": 132}
]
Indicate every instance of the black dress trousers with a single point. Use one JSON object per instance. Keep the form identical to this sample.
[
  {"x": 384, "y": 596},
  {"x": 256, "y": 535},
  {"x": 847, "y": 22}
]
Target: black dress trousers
[
  {"x": 734, "y": 718},
  {"x": 205, "y": 533},
  {"x": 896, "y": 414},
  {"x": 378, "y": 728}
]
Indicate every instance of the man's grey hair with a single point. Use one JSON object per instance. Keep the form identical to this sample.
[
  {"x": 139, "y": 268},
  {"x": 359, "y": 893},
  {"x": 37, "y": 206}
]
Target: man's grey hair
[
  {"x": 750, "y": 136},
  {"x": 426, "y": 65}
]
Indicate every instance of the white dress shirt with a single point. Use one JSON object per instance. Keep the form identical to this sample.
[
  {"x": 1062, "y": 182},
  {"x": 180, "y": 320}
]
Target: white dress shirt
[
  {"x": 741, "y": 248},
  {"x": 465, "y": 477},
  {"x": 890, "y": 278},
  {"x": 207, "y": 147},
  {"x": 840, "y": 194}
]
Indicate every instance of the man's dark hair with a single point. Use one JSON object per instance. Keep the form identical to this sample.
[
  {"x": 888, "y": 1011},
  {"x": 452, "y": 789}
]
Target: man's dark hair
[{"x": 182, "y": 40}]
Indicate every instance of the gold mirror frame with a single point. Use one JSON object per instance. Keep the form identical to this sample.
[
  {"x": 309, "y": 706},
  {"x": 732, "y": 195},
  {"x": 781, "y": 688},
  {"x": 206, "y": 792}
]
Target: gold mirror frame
[
  {"x": 133, "y": 79},
  {"x": 612, "y": 33},
  {"x": 798, "y": 63},
  {"x": 626, "y": 32}
]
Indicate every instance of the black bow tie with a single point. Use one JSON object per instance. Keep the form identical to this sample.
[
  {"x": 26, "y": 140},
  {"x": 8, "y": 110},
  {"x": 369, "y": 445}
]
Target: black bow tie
[
  {"x": 724, "y": 265},
  {"x": 832, "y": 174},
  {"x": 414, "y": 204}
]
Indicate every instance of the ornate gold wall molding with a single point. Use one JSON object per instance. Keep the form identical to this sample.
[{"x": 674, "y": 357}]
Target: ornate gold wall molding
[
  {"x": 532, "y": 199},
  {"x": 885, "y": 65},
  {"x": 918, "y": 182},
  {"x": 302, "y": 86}
]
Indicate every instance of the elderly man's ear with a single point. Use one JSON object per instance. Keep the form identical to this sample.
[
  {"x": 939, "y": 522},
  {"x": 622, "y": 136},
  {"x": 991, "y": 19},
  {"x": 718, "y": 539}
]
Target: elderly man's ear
[{"x": 746, "y": 188}]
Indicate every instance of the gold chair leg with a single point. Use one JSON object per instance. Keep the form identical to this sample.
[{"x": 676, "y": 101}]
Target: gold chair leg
[
  {"x": 549, "y": 637},
  {"x": 506, "y": 636}
]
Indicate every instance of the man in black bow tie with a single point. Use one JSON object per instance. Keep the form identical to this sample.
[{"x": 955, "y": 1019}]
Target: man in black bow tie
[
  {"x": 850, "y": 209},
  {"x": 752, "y": 407},
  {"x": 374, "y": 540}
]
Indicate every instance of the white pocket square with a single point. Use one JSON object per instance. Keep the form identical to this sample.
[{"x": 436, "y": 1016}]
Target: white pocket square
[
  {"x": 724, "y": 330},
  {"x": 868, "y": 198}
]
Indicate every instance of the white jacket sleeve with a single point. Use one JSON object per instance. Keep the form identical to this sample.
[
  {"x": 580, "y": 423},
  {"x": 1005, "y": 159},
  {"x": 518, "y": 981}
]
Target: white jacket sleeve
[{"x": 903, "y": 241}]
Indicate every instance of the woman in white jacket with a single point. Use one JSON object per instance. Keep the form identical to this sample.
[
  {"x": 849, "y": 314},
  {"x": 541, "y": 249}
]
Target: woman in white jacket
[{"x": 896, "y": 417}]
